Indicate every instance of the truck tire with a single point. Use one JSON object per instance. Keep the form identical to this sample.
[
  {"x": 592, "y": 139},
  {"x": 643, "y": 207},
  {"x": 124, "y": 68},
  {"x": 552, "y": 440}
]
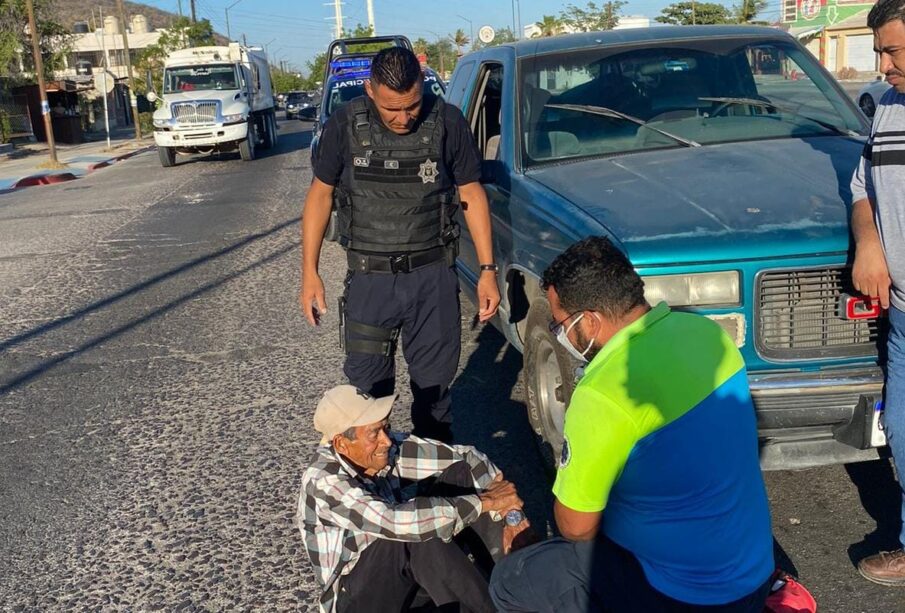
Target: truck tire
[
  {"x": 274, "y": 129},
  {"x": 167, "y": 156},
  {"x": 247, "y": 146},
  {"x": 549, "y": 373},
  {"x": 269, "y": 129}
]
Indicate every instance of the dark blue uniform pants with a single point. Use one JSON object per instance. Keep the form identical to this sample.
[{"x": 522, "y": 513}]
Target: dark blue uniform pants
[
  {"x": 599, "y": 576},
  {"x": 424, "y": 305}
]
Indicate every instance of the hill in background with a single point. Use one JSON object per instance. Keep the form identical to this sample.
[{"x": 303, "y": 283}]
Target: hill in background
[{"x": 68, "y": 12}]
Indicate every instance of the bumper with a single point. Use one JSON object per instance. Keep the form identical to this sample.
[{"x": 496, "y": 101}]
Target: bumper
[
  {"x": 801, "y": 416},
  {"x": 205, "y": 136}
]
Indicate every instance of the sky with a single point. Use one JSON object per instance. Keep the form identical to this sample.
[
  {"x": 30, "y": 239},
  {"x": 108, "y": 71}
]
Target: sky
[{"x": 296, "y": 31}]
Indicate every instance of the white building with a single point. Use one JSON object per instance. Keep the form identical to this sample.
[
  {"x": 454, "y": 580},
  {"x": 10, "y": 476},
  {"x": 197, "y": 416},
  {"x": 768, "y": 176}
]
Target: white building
[{"x": 88, "y": 49}]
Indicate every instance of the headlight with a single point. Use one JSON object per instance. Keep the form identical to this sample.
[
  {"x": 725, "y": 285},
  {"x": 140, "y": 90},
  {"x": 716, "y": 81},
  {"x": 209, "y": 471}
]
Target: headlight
[
  {"x": 161, "y": 123},
  {"x": 693, "y": 290},
  {"x": 236, "y": 118}
]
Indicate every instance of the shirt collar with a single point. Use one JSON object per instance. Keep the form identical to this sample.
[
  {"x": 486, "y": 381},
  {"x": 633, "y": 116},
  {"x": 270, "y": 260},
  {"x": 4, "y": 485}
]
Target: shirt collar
[{"x": 623, "y": 336}]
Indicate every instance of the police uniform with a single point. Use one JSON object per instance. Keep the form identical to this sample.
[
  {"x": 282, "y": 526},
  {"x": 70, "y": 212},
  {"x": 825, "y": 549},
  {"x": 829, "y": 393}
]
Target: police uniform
[{"x": 395, "y": 201}]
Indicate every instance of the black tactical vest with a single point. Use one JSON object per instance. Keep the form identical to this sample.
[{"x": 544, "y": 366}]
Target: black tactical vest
[{"x": 397, "y": 197}]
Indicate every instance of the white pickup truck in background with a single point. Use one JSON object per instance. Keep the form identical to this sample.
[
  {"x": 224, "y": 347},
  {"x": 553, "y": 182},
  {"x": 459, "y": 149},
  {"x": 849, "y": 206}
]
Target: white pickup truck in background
[{"x": 215, "y": 99}]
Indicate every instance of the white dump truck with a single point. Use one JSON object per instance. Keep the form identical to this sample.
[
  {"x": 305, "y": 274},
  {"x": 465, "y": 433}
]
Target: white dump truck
[{"x": 215, "y": 99}]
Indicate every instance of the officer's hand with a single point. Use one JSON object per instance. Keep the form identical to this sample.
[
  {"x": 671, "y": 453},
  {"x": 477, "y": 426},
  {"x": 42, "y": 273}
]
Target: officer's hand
[
  {"x": 488, "y": 296},
  {"x": 870, "y": 274},
  {"x": 312, "y": 299}
]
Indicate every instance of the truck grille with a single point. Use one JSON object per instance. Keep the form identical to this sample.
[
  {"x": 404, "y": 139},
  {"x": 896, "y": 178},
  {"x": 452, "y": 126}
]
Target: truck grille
[
  {"x": 796, "y": 316},
  {"x": 196, "y": 113}
]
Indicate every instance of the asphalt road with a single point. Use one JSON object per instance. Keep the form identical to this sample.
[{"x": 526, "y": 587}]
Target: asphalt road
[{"x": 157, "y": 384}]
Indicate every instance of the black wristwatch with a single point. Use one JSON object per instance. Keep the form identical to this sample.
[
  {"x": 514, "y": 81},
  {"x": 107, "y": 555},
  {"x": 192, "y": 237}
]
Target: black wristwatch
[{"x": 491, "y": 267}]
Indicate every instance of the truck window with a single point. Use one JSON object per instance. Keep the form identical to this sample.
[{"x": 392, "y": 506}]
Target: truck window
[
  {"x": 455, "y": 93},
  {"x": 485, "y": 117}
]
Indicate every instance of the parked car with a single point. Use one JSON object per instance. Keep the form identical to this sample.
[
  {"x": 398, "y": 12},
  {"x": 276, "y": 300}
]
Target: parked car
[
  {"x": 297, "y": 102},
  {"x": 724, "y": 181},
  {"x": 869, "y": 95}
]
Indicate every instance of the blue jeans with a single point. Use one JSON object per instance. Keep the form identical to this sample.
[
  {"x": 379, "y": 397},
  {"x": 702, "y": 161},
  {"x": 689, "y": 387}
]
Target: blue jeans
[
  {"x": 599, "y": 576},
  {"x": 894, "y": 402}
]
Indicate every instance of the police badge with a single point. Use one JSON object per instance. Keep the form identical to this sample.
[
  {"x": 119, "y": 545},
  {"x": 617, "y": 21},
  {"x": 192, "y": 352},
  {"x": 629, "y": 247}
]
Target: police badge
[{"x": 428, "y": 171}]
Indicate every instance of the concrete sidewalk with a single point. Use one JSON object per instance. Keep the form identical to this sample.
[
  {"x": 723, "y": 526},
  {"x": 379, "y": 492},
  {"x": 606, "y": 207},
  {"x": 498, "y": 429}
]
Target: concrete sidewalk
[{"x": 23, "y": 167}]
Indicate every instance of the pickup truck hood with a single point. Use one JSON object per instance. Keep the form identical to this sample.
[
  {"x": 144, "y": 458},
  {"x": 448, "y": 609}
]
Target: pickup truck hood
[{"x": 761, "y": 199}]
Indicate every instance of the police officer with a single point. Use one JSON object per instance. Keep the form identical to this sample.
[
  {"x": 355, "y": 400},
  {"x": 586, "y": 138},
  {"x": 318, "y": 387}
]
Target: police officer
[{"x": 391, "y": 162}]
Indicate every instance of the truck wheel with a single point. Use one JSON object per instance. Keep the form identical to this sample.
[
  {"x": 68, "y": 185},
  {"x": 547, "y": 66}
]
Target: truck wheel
[
  {"x": 549, "y": 373},
  {"x": 274, "y": 130},
  {"x": 268, "y": 132},
  {"x": 247, "y": 146},
  {"x": 167, "y": 156}
]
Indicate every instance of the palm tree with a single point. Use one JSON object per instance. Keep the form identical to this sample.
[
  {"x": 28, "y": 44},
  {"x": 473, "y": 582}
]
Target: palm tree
[
  {"x": 548, "y": 26},
  {"x": 460, "y": 40},
  {"x": 420, "y": 45}
]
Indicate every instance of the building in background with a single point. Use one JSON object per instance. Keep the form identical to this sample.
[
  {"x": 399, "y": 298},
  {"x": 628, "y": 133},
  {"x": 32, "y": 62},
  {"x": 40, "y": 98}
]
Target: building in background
[
  {"x": 836, "y": 32},
  {"x": 625, "y": 22}
]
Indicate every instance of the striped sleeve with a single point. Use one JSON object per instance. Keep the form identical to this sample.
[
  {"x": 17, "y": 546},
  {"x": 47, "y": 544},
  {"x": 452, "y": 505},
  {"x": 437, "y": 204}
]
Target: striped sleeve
[
  {"x": 862, "y": 185},
  {"x": 339, "y": 502}
]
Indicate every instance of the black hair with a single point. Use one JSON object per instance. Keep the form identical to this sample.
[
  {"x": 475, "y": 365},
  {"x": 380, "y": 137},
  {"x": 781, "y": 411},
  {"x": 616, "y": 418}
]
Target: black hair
[
  {"x": 397, "y": 68},
  {"x": 350, "y": 433},
  {"x": 885, "y": 11},
  {"x": 593, "y": 275}
]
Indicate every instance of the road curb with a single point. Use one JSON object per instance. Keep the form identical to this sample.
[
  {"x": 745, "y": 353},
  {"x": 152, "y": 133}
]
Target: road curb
[{"x": 48, "y": 178}]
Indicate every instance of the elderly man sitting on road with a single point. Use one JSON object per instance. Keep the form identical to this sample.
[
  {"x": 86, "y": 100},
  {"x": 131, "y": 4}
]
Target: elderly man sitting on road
[{"x": 379, "y": 509}]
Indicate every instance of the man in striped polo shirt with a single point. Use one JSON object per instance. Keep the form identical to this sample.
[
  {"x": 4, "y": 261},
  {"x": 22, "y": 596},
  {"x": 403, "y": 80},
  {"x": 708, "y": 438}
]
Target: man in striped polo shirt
[
  {"x": 878, "y": 226},
  {"x": 659, "y": 494}
]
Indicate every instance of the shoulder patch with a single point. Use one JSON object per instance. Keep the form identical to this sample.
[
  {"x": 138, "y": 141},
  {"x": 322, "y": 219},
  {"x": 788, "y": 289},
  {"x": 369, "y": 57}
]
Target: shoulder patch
[{"x": 566, "y": 454}]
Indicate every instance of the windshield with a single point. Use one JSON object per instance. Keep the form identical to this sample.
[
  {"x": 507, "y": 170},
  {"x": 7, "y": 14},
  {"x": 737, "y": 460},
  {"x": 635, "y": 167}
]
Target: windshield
[
  {"x": 700, "y": 92},
  {"x": 298, "y": 98},
  {"x": 190, "y": 78},
  {"x": 345, "y": 90}
]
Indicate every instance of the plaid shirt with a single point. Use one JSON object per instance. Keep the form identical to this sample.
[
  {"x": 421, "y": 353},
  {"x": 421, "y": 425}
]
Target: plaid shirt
[{"x": 341, "y": 511}]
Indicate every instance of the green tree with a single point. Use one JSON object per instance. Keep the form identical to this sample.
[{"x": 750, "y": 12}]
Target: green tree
[
  {"x": 441, "y": 55},
  {"x": 287, "y": 81},
  {"x": 550, "y": 25},
  {"x": 748, "y": 10},
  {"x": 180, "y": 35},
  {"x": 420, "y": 45},
  {"x": 699, "y": 13},
  {"x": 54, "y": 39},
  {"x": 593, "y": 18},
  {"x": 460, "y": 40}
]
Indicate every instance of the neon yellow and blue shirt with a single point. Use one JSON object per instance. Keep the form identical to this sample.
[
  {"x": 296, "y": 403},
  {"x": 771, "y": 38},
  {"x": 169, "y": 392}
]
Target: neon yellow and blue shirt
[{"x": 661, "y": 437}]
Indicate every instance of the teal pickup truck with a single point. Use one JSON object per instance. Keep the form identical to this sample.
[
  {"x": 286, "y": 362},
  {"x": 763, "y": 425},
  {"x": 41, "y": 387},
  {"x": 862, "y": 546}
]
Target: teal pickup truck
[{"x": 719, "y": 159}]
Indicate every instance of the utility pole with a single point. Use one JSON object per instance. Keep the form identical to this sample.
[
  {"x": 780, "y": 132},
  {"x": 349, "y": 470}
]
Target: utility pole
[
  {"x": 694, "y": 20},
  {"x": 133, "y": 100},
  {"x": 338, "y": 9},
  {"x": 194, "y": 19},
  {"x": 371, "y": 18},
  {"x": 39, "y": 71},
  {"x": 180, "y": 8},
  {"x": 228, "y": 35}
]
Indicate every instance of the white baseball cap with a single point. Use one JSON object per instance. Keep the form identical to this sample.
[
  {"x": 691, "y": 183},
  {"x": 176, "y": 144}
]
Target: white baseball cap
[{"x": 346, "y": 406}]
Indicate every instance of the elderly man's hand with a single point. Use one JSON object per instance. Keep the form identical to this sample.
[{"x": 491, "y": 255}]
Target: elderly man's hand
[
  {"x": 500, "y": 496},
  {"x": 516, "y": 537}
]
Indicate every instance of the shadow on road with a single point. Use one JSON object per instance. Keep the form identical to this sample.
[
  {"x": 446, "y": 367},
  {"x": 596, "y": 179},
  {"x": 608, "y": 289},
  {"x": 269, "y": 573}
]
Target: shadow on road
[
  {"x": 487, "y": 416},
  {"x": 35, "y": 371},
  {"x": 881, "y": 497},
  {"x": 288, "y": 143}
]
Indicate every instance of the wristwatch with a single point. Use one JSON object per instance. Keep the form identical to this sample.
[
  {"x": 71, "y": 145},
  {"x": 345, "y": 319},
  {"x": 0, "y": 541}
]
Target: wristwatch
[
  {"x": 514, "y": 517},
  {"x": 490, "y": 267}
]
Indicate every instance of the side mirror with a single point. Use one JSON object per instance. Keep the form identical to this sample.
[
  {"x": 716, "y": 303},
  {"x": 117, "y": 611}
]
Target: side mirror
[{"x": 152, "y": 96}]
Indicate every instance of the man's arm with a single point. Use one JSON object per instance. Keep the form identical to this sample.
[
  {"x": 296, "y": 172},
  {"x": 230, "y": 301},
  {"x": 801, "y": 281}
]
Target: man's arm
[
  {"x": 315, "y": 217},
  {"x": 421, "y": 459},
  {"x": 476, "y": 210},
  {"x": 575, "y": 525},
  {"x": 870, "y": 274}
]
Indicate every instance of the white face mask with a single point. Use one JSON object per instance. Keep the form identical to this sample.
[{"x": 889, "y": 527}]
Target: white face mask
[{"x": 563, "y": 337}]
